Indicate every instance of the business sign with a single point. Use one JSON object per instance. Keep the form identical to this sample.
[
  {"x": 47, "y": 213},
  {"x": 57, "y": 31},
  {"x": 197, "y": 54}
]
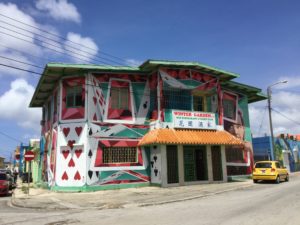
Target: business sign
[{"x": 194, "y": 120}]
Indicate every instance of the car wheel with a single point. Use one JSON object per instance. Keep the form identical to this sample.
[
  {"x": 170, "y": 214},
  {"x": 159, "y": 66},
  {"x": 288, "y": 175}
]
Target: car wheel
[
  {"x": 287, "y": 178},
  {"x": 277, "y": 181},
  {"x": 254, "y": 181}
]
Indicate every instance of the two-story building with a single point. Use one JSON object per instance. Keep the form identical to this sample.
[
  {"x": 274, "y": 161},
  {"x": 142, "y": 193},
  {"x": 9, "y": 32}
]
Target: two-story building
[{"x": 164, "y": 123}]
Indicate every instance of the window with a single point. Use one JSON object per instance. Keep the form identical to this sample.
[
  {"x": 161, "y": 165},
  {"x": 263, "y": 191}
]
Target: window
[
  {"x": 119, "y": 155},
  {"x": 198, "y": 103},
  {"x": 230, "y": 105},
  {"x": 120, "y": 98},
  {"x": 74, "y": 97},
  {"x": 234, "y": 154},
  {"x": 229, "y": 109},
  {"x": 263, "y": 165},
  {"x": 177, "y": 99}
]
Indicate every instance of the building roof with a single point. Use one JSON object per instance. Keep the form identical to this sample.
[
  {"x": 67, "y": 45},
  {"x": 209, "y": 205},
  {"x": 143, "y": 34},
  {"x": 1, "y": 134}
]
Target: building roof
[
  {"x": 254, "y": 94},
  {"x": 222, "y": 74},
  {"x": 190, "y": 137},
  {"x": 53, "y": 72}
]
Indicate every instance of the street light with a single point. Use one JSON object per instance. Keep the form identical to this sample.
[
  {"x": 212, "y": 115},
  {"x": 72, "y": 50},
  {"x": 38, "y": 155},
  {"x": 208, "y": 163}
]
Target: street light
[{"x": 269, "y": 92}]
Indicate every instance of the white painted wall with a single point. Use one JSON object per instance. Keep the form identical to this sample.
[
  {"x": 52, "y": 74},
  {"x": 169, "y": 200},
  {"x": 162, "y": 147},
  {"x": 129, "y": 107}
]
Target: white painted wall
[
  {"x": 71, "y": 161},
  {"x": 156, "y": 164}
]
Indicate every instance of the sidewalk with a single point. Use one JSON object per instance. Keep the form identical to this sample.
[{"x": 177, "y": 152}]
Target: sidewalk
[{"x": 132, "y": 197}]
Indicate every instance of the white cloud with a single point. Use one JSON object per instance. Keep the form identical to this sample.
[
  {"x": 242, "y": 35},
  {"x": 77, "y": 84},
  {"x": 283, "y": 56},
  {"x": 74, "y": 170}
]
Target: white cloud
[
  {"x": 5, "y": 57},
  {"x": 133, "y": 62},
  {"x": 14, "y": 105},
  {"x": 11, "y": 10},
  {"x": 293, "y": 81},
  {"x": 285, "y": 115},
  {"x": 59, "y": 9},
  {"x": 51, "y": 41},
  {"x": 86, "y": 49},
  {"x": 17, "y": 49}
]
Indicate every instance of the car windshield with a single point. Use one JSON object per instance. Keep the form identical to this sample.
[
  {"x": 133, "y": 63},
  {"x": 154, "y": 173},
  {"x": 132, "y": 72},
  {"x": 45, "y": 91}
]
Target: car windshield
[
  {"x": 263, "y": 165},
  {"x": 2, "y": 176}
]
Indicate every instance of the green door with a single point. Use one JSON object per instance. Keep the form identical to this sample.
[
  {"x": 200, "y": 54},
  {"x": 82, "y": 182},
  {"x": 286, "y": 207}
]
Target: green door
[
  {"x": 195, "y": 164},
  {"x": 189, "y": 164}
]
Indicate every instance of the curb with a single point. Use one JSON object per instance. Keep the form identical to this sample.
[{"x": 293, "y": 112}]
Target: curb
[
  {"x": 193, "y": 197},
  {"x": 66, "y": 206}
]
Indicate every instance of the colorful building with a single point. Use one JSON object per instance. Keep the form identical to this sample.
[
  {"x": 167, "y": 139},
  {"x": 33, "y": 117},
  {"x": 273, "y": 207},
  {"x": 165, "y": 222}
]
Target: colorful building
[
  {"x": 36, "y": 170},
  {"x": 287, "y": 150},
  {"x": 164, "y": 123}
]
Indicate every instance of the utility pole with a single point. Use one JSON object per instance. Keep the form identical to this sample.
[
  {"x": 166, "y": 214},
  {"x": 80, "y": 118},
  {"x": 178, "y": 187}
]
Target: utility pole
[
  {"x": 269, "y": 93},
  {"x": 270, "y": 117}
]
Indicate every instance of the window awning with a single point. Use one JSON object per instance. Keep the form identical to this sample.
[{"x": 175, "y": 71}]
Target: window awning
[{"x": 191, "y": 137}]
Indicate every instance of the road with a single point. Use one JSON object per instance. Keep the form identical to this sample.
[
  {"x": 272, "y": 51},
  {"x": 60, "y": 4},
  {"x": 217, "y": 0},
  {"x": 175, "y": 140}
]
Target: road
[{"x": 264, "y": 203}]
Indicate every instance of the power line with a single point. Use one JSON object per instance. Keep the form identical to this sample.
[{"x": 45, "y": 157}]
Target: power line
[
  {"x": 23, "y": 52},
  {"x": 55, "y": 35},
  {"x": 28, "y": 64},
  {"x": 285, "y": 116},
  {"x": 61, "y": 52},
  {"x": 52, "y": 40},
  {"x": 10, "y": 137},
  {"x": 18, "y": 68},
  {"x": 261, "y": 123}
]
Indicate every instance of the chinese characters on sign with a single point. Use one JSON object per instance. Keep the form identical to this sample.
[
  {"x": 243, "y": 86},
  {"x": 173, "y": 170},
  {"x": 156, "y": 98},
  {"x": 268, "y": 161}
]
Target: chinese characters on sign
[{"x": 194, "y": 120}]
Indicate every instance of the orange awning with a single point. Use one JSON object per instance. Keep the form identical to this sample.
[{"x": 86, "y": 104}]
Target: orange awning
[{"x": 191, "y": 137}]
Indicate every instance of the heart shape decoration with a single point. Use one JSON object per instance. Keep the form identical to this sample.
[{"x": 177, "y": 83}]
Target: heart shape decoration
[
  {"x": 65, "y": 153},
  {"x": 71, "y": 163},
  {"x": 71, "y": 143},
  {"x": 66, "y": 131},
  {"x": 77, "y": 176},
  {"x": 65, "y": 176},
  {"x": 78, "y": 130},
  {"x": 78, "y": 152}
]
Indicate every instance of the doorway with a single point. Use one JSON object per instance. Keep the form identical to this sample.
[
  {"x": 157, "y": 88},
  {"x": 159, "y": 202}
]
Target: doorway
[
  {"x": 216, "y": 158},
  {"x": 172, "y": 164},
  {"x": 195, "y": 163}
]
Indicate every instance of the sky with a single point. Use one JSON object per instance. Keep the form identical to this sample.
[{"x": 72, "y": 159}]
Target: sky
[{"x": 259, "y": 40}]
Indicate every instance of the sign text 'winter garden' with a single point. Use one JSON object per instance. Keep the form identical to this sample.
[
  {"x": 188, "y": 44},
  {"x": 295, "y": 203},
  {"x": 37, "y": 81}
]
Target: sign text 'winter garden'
[{"x": 194, "y": 120}]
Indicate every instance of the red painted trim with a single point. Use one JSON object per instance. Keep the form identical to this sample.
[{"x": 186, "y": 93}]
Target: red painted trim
[
  {"x": 139, "y": 175},
  {"x": 118, "y": 143},
  {"x": 123, "y": 182},
  {"x": 72, "y": 113},
  {"x": 132, "y": 77},
  {"x": 126, "y": 125},
  {"x": 107, "y": 143}
]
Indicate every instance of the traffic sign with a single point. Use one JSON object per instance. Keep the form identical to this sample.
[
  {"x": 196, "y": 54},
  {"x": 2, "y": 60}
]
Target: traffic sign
[{"x": 29, "y": 155}]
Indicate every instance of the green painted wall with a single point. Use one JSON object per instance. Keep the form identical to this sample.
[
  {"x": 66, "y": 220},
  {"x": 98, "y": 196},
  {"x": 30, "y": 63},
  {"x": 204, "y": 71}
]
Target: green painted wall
[
  {"x": 138, "y": 92},
  {"x": 243, "y": 105}
]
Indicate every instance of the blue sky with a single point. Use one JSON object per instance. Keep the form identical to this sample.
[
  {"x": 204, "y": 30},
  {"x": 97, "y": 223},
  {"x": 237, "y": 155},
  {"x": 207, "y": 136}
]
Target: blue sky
[{"x": 257, "y": 39}]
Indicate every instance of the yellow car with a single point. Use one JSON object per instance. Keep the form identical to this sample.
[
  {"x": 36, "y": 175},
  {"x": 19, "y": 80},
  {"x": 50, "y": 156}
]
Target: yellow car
[{"x": 269, "y": 170}]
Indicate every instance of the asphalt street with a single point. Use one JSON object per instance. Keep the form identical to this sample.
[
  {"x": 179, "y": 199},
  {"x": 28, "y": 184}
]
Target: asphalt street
[{"x": 262, "y": 203}]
